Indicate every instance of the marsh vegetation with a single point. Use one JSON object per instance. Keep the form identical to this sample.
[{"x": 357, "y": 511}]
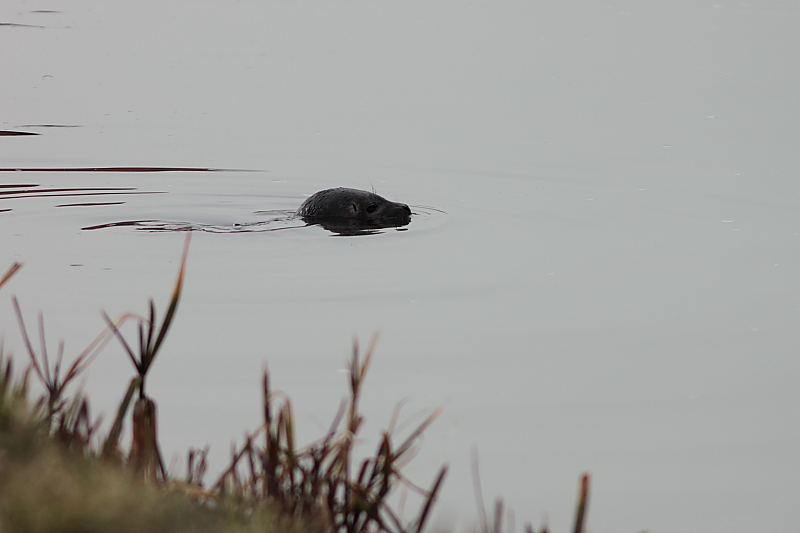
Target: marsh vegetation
[{"x": 59, "y": 472}]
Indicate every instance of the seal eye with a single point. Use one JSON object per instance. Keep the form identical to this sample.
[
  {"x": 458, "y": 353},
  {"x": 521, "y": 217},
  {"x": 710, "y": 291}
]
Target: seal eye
[{"x": 371, "y": 208}]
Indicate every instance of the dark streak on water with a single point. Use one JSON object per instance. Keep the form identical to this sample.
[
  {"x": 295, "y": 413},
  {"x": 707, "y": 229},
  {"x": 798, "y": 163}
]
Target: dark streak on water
[
  {"x": 49, "y": 126},
  {"x": 127, "y": 169},
  {"x": 12, "y": 25},
  {"x": 285, "y": 222},
  {"x": 28, "y": 190},
  {"x": 89, "y": 204},
  {"x": 79, "y": 194},
  {"x": 9, "y": 133},
  {"x": 78, "y": 189}
]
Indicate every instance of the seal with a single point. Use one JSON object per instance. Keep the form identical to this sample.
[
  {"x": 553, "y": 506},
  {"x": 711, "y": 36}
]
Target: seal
[{"x": 352, "y": 211}]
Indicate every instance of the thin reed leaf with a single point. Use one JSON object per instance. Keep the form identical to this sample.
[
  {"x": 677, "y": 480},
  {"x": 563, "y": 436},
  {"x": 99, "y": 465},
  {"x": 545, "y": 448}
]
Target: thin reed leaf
[
  {"x": 236, "y": 456},
  {"x": 396, "y": 415},
  {"x": 112, "y": 440},
  {"x": 395, "y": 519},
  {"x": 10, "y": 272},
  {"x": 362, "y": 472},
  {"x": 173, "y": 304},
  {"x": 43, "y": 344},
  {"x": 368, "y": 357},
  {"x": 423, "y": 516},
  {"x": 27, "y": 340},
  {"x": 354, "y": 368},
  {"x": 403, "y": 448},
  {"x": 54, "y": 383},
  {"x": 498, "y": 516},
  {"x": 59, "y": 359},
  {"x": 143, "y": 348},
  {"x": 325, "y": 443},
  {"x": 251, "y": 458},
  {"x": 476, "y": 482},
  {"x": 288, "y": 422},
  {"x": 85, "y": 358},
  {"x": 113, "y": 326},
  {"x": 148, "y": 348},
  {"x": 6, "y": 373},
  {"x": 583, "y": 502},
  {"x": 147, "y": 344}
]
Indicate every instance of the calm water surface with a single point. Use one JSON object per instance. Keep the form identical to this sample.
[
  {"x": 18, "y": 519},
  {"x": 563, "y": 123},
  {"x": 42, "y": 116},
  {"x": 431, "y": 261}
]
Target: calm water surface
[{"x": 603, "y": 274}]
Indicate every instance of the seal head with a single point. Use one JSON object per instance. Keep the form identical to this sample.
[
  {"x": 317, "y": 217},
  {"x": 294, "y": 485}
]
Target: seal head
[{"x": 352, "y": 211}]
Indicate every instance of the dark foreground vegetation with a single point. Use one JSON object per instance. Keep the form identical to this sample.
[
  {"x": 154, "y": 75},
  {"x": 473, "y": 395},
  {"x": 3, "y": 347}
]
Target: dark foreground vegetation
[{"x": 59, "y": 474}]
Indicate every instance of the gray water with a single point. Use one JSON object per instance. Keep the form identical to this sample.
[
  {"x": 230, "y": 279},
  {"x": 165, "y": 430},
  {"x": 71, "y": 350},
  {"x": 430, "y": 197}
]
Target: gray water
[{"x": 603, "y": 273}]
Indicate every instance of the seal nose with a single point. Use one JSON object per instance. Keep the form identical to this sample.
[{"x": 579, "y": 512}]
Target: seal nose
[{"x": 406, "y": 209}]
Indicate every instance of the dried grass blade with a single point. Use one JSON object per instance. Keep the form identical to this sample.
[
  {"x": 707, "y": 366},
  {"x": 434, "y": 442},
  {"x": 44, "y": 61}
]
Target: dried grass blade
[
  {"x": 27, "y": 340},
  {"x": 362, "y": 472},
  {"x": 10, "y": 272},
  {"x": 59, "y": 360},
  {"x": 136, "y": 363},
  {"x": 396, "y": 415},
  {"x": 147, "y": 345},
  {"x": 176, "y": 294},
  {"x": 45, "y": 359},
  {"x": 334, "y": 425},
  {"x": 399, "y": 527},
  {"x": 354, "y": 369},
  {"x": 6, "y": 373},
  {"x": 423, "y": 516},
  {"x": 476, "y": 480},
  {"x": 498, "y": 516},
  {"x": 368, "y": 358},
  {"x": 143, "y": 348},
  {"x": 403, "y": 448},
  {"x": 288, "y": 423},
  {"x": 583, "y": 502},
  {"x": 110, "y": 445},
  {"x": 86, "y": 356},
  {"x": 236, "y": 457}
]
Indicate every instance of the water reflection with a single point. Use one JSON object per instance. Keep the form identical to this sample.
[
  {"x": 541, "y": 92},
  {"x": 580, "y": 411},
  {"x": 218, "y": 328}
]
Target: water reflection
[
  {"x": 389, "y": 215},
  {"x": 352, "y": 227},
  {"x": 15, "y": 191},
  {"x": 279, "y": 220},
  {"x": 276, "y": 220}
]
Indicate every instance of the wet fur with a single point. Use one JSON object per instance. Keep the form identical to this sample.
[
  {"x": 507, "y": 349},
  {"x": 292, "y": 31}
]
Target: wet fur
[{"x": 363, "y": 207}]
